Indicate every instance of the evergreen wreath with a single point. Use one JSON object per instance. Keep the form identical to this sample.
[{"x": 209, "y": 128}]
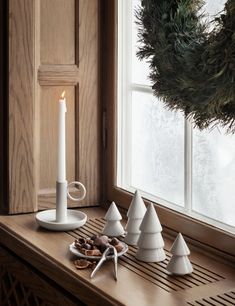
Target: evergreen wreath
[{"x": 192, "y": 68}]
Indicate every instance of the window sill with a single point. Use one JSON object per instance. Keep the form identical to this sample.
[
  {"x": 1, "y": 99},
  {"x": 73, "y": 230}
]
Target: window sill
[{"x": 138, "y": 283}]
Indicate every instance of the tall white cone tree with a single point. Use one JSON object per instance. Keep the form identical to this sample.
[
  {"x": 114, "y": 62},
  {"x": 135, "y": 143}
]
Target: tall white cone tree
[
  {"x": 113, "y": 225},
  {"x": 150, "y": 242},
  {"x": 135, "y": 216},
  {"x": 179, "y": 263}
]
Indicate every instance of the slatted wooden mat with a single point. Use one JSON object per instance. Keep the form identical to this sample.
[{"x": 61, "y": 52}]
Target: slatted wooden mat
[
  {"x": 226, "y": 299},
  {"x": 153, "y": 272}
]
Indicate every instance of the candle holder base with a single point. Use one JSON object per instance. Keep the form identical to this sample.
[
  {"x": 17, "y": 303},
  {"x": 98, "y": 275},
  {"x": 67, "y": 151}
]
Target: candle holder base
[{"x": 47, "y": 219}]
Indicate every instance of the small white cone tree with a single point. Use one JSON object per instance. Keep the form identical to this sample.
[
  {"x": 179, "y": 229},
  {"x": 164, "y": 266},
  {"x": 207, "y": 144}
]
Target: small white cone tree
[
  {"x": 113, "y": 226},
  {"x": 135, "y": 216},
  {"x": 179, "y": 263},
  {"x": 150, "y": 241}
]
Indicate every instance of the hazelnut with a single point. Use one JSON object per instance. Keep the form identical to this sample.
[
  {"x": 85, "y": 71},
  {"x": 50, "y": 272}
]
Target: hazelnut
[
  {"x": 98, "y": 241},
  {"x": 114, "y": 241},
  {"x": 103, "y": 247},
  {"x": 104, "y": 238},
  {"x": 119, "y": 247}
]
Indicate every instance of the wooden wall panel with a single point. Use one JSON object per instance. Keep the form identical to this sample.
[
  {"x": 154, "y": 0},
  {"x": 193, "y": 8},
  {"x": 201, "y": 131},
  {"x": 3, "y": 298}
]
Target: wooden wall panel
[
  {"x": 49, "y": 135},
  {"x": 84, "y": 75},
  {"x": 22, "y": 159},
  {"x": 57, "y": 72},
  {"x": 57, "y": 31},
  {"x": 53, "y": 47},
  {"x": 54, "y": 75}
]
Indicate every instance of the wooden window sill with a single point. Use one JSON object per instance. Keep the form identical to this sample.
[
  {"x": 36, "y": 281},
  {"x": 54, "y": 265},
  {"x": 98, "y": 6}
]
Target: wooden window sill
[{"x": 213, "y": 282}]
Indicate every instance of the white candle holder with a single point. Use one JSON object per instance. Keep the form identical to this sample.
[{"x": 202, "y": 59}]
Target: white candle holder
[{"x": 61, "y": 218}]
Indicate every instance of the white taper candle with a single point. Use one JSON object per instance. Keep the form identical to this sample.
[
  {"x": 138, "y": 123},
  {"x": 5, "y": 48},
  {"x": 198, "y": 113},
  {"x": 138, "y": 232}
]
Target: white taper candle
[
  {"x": 61, "y": 184},
  {"x": 61, "y": 140}
]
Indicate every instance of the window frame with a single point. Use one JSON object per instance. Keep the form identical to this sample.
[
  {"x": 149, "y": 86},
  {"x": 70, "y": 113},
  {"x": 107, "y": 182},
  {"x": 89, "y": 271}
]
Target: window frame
[{"x": 220, "y": 240}]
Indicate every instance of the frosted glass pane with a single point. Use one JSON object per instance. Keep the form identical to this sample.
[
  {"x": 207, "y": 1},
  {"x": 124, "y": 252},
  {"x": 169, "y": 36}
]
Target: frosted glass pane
[
  {"x": 211, "y": 10},
  {"x": 157, "y": 154},
  {"x": 214, "y": 175},
  {"x": 140, "y": 69}
]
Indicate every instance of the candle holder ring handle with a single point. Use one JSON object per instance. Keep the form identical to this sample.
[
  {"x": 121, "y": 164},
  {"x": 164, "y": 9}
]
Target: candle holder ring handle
[{"x": 81, "y": 187}]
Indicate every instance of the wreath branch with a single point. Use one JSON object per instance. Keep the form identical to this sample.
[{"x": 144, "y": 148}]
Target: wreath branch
[{"x": 192, "y": 68}]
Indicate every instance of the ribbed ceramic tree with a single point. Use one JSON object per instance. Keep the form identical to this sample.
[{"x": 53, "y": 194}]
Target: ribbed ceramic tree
[
  {"x": 150, "y": 242},
  {"x": 135, "y": 216},
  {"x": 179, "y": 263},
  {"x": 113, "y": 225}
]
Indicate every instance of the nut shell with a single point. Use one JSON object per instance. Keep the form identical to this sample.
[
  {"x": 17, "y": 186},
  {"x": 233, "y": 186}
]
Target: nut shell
[
  {"x": 86, "y": 246},
  {"x": 114, "y": 241},
  {"x": 82, "y": 263},
  {"x": 119, "y": 247},
  {"x": 92, "y": 252},
  {"x": 81, "y": 240}
]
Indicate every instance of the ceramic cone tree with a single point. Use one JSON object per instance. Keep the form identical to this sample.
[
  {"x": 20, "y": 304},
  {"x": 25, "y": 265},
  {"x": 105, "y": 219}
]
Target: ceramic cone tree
[
  {"x": 113, "y": 225},
  {"x": 150, "y": 241},
  {"x": 135, "y": 216},
  {"x": 179, "y": 262}
]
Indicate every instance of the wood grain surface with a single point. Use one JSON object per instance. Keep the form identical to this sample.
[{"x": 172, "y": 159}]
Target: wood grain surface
[
  {"x": 3, "y": 107},
  {"x": 108, "y": 93},
  {"x": 62, "y": 75},
  {"x": 82, "y": 118},
  {"x": 22, "y": 160},
  {"x": 88, "y": 137},
  {"x": 53, "y": 46},
  {"x": 57, "y": 31},
  {"x": 48, "y": 252}
]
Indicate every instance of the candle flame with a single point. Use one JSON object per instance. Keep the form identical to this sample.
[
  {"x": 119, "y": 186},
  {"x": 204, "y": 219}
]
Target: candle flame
[{"x": 62, "y": 95}]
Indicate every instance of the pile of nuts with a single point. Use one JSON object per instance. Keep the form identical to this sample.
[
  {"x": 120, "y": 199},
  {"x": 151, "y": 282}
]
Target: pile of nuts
[{"x": 96, "y": 245}]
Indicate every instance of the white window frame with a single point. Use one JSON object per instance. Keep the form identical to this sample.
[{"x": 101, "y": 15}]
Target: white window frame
[{"x": 124, "y": 90}]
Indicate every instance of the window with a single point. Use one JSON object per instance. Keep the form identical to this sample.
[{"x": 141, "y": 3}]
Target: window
[{"x": 159, "y": 152}]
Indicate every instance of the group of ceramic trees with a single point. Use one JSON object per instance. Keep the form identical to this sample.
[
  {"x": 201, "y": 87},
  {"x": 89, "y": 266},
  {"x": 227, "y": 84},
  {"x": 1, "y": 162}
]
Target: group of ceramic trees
[{"x": 144, "y": 230}]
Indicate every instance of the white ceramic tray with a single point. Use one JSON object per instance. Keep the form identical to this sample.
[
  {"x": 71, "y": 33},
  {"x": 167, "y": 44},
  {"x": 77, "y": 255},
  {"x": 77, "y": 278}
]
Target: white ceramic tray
[
  {"x": 76, "y": 252},
  {"x": 47, "y": 219}
]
